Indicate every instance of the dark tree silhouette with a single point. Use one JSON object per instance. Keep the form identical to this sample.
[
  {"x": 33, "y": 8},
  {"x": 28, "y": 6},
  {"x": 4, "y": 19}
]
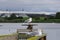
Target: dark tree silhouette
[{"x": 57, "y": 15}]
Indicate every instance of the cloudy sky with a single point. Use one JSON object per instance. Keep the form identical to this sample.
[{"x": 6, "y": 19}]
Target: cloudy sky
[{"x": 31, "y": 5}]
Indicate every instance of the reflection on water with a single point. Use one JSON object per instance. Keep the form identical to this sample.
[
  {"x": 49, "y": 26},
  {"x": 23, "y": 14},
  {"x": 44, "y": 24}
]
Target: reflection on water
[{"x": 52, "y": 29}]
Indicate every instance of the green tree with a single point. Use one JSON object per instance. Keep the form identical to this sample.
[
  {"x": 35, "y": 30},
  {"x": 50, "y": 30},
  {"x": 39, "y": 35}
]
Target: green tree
[
  {"x": 5, "y": 17},
  {"x": 57, "y": 15},
  {"x": 12, "y": 16},
  {"x": 20, "y": 17},
  {"x": 51, "y": 17}
]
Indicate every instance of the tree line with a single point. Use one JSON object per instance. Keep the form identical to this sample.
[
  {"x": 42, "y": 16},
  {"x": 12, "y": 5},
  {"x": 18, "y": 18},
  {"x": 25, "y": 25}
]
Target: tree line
[{"x": 14, "y": 18}]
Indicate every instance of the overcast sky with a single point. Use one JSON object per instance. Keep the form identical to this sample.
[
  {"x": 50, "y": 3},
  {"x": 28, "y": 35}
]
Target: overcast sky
[{"x": 31, "y": 5}]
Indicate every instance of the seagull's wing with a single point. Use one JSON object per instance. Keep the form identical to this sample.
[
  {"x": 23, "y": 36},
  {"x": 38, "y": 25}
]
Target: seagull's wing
[{"x": 28, "y": 20}]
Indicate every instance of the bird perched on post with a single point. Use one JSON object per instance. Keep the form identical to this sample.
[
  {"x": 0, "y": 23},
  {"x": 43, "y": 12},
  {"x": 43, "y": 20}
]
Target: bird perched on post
[{"x": 29, "y": 24}]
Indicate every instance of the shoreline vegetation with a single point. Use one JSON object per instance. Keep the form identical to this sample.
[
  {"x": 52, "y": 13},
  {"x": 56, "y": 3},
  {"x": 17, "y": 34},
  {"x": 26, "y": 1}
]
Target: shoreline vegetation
[
  {"x": 41, "y": 19},
  {"x": 34, "y": 21}
]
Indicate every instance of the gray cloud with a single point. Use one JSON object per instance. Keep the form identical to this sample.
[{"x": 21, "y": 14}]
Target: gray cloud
[{"x": 31, "y": 5}]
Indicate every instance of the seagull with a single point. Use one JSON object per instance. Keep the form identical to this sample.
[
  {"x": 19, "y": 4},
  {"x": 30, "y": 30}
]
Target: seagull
[
  {"x": 40, "y": 32},
  {"x": 28, "y": 20}
]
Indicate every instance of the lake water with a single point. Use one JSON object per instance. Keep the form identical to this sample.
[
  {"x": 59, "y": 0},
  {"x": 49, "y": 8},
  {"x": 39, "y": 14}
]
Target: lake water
[{"x": 51, "y": 29}]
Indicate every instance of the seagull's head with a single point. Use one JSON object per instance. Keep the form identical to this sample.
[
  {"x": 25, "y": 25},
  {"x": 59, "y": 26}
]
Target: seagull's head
[{"x": 30, "y": 18}]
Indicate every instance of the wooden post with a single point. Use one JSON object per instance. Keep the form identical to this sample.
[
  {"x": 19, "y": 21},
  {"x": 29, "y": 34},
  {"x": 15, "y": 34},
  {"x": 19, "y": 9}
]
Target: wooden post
[{"x": 30, "y": 27}]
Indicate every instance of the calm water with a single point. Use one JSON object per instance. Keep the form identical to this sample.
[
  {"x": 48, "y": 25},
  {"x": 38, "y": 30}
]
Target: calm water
[{"x": 51, "y": 29}]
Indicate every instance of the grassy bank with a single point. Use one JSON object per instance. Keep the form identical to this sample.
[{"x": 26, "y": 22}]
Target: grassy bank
[{"x": 8, "y": 37}]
